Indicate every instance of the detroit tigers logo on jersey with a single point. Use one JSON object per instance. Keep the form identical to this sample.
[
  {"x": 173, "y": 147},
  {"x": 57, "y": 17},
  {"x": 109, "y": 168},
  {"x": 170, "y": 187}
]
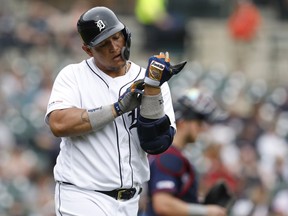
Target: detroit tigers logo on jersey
[
  {"x": 134, "y": 116},
  {"x": 100, "y": 25}
]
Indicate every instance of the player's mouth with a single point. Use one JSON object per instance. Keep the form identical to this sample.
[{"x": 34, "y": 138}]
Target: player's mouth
[{"x": 117, "y": 57}]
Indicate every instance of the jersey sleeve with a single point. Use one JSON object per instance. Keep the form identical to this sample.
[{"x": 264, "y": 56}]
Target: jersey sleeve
[
  {"x": 65, "y": 92},
  {"x": 168, "y": 106}
]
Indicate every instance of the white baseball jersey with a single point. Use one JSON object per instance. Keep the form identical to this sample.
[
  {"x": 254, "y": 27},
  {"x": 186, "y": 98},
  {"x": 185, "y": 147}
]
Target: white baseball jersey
[{"x": 110, "y": 158}]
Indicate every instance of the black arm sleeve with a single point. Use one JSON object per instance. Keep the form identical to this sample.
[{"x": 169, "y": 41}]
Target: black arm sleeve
[{"x": 155, "y": 135}]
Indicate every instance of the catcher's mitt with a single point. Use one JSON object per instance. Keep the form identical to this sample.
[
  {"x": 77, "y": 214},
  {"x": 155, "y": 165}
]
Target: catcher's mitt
[{"x": 219, "y": 194}]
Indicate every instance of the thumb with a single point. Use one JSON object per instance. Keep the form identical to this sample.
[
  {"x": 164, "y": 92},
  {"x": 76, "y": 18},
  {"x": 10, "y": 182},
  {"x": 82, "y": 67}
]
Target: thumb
[{"x": 174, "y": 69}]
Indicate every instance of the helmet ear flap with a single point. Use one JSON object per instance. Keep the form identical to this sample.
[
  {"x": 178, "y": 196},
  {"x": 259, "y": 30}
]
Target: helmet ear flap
[
  {"x": 127, "y": 35},
  {"x": 125, "y": 52}
]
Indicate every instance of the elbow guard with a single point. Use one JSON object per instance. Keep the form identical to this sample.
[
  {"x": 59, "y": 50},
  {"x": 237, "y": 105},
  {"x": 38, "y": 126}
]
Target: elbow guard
[{"x": 155, "y": 136}]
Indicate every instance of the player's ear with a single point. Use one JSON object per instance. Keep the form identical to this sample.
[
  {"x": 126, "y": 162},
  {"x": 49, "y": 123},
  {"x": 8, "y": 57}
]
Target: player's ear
[{"x": 87, "y": 50}]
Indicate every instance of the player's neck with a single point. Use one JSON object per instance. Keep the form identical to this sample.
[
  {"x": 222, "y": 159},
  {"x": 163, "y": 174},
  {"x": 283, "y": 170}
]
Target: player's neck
[{"x": 114, "y": 72}]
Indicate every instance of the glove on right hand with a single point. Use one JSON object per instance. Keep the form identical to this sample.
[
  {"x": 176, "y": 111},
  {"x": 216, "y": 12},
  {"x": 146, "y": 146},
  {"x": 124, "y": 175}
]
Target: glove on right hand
[
  {"x": 130, "y": 99},
  {"x": 159, "y": 69}
]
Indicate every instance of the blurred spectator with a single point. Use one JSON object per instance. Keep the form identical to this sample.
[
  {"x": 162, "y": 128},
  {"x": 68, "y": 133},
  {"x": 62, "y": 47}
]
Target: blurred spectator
[
  {"x": 282, "y": 9},
  {"x": 244, "y": 21},
  {"x": 34, "y": 31},
  {"x": 272, "y": 149},
  {"x": 243, "y": 25},
  {"x": 7, "y": 29},
  {"x": 163, "y": 29},
  {"x": 217, "y": 170}
]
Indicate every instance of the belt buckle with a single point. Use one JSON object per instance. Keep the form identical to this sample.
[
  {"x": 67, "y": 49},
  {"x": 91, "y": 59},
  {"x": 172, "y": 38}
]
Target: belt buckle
[{"x": 120, "y": 194}]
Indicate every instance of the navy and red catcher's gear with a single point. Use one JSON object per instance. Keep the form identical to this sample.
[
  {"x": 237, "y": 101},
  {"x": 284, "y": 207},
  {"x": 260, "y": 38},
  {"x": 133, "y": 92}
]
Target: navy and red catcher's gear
[{"x": 173, "y": 173}]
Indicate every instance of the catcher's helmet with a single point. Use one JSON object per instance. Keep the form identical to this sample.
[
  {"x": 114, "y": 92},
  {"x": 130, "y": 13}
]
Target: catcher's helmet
[
  {"x": 99, "y": 23},
  {"x": 195, "y": 105}
]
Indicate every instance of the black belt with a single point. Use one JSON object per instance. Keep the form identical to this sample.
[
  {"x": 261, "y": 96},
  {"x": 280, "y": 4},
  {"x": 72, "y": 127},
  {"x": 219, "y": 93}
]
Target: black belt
[{"x": 118, "y": 194}]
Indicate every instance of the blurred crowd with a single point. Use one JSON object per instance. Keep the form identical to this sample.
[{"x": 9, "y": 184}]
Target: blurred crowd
[
  {"x": 248, "y": 148},
  {"x": 36, "y": 39}
]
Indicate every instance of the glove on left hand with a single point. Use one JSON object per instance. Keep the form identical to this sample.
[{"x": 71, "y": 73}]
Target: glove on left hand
[
  {"x": 220, "y": 194},
  {"x": 130, "y": 99},
  {"x": 159, "y": 69}
]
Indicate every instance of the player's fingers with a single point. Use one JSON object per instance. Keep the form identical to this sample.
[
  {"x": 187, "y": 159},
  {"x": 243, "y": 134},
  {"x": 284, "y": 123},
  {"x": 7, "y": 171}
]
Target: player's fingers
[
  {"x": 167, "y": 59},
  {"x": 178, "y": 67},
  {"x": 132, "y": 88},
  {"x": 161, "y": 55},
  {"x": 137, "y": 85},
  {"x": 138, "y": 92}
]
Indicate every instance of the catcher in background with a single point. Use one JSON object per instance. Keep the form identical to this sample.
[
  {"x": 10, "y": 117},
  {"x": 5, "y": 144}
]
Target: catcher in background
[{"x": 173, "y": 187}]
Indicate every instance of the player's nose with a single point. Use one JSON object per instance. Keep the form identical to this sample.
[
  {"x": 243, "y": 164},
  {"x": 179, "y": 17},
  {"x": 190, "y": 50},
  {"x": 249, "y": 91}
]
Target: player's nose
[{"x": 114, "y": 46}]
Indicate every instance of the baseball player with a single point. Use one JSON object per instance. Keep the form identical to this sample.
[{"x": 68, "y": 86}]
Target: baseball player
[
  {"x": 172, "y": 188},
  {"x": 109, "y": 113}
]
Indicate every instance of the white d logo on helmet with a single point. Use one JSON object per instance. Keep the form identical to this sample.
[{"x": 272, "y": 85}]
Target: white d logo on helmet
[{"x": 100, "y": 25}]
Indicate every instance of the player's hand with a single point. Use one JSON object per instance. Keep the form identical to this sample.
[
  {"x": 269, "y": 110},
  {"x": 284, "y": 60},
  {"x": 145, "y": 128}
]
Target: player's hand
[
  {"x": 130, "y": 99},
  {"x": 159, "y": 69}
]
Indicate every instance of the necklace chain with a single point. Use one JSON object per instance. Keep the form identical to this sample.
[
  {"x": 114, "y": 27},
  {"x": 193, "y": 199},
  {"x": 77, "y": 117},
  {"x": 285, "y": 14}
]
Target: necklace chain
[{"x": 126, "y": 67}]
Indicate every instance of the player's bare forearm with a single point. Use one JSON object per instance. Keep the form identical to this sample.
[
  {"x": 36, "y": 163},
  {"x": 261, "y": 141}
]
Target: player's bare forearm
[
  {"x": 166, "y": 204},
  {"x": 69, "y": 122}
]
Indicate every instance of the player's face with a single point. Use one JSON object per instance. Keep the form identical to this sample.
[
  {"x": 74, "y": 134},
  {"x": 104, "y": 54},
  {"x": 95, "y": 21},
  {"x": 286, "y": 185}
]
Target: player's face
[
  {"x": 194, "y": 129},
  {"x": 107, "y": 54}
]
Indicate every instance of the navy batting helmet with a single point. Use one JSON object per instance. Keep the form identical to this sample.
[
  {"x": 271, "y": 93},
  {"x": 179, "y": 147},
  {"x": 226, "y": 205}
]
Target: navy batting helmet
[
  {"x": 196, "y": 105},
  {"x": 99, "y": 23}
]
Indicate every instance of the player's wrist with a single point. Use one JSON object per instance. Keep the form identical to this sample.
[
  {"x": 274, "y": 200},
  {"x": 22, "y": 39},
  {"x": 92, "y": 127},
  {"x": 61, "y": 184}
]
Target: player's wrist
[
  {"x": 116, "y": 109},
  {"x": 151, "y": 90},
  {"x": 152, "y": 82},
  {"x": 197, "y": 209}
]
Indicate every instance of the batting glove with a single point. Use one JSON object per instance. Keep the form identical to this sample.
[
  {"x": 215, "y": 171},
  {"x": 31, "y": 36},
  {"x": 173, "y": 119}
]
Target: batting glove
[
  {"x": 159, "y": 69},
  {"x": 130, "y": 99}
]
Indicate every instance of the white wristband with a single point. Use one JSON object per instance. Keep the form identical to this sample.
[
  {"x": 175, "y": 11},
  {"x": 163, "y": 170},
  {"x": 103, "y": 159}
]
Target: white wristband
[
  {"x": 152, "y": 107},
  {"x": 100, "y": 116},
  {"x": 197, "y": 210},
  {"x": 152, "y": 82}
]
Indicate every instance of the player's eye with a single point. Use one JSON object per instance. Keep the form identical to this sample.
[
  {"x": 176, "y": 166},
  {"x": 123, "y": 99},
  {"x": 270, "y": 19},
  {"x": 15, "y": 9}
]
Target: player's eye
[
  {"x": 102, "y": 44},
  {"x": 117, "y": 36},
  {"x": 114, "y": 37}
]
